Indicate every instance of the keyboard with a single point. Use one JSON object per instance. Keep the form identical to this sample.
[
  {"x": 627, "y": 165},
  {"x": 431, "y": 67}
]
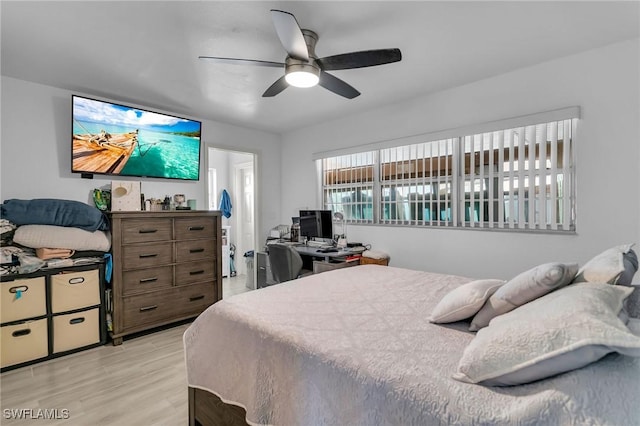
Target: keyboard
[{"x": 327, "y": 250}]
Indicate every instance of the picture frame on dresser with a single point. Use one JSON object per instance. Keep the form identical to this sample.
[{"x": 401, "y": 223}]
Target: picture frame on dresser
[{"x": 167, "y": 267}]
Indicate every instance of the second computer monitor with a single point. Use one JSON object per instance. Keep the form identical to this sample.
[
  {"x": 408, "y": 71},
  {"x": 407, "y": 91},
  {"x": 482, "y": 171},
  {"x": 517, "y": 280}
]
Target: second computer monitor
[{"x": 316, "y": 224}]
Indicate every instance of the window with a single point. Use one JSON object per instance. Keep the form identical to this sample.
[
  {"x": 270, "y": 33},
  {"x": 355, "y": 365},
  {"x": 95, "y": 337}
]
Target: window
[
  {"x": 416, "y": 183},
  {"x": 519, "y": 177},
  {"x": 348, "y": 186}
]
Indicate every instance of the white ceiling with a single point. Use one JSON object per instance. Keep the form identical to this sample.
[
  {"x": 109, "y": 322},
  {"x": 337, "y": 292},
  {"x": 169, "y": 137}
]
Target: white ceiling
[{"x": 146, "y": 52}]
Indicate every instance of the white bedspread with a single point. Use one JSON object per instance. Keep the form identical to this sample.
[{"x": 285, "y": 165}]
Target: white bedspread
[{"x": 354, "y": 347}]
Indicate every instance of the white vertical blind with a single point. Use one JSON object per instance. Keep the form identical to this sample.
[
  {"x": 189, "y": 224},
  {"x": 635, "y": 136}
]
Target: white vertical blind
[
  {"x": 415, "y": 184},
  {"x": 511, "y": 178},
  {"x": 533, "y": 183}
]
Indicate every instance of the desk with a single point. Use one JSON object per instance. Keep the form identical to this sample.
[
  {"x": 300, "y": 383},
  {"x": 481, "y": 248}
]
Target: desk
[
  {"x": 327, "y": 257},
  {"x": 329, "y": 261},
  {"x": 312, "y": 260}
]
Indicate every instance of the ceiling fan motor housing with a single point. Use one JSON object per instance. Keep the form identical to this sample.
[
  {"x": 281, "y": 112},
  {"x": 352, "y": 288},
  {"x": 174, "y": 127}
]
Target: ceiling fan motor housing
[{"x": 294, "y": 65}]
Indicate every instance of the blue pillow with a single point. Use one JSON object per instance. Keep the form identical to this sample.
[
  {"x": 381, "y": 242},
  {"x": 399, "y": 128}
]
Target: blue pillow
[
  {"x": 630, "y": 262},
  {"x": 46, "y": 211}
]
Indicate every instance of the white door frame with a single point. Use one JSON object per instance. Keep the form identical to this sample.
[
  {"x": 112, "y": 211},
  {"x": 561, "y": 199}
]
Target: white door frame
[
  {"x": 256, "y": 196},
  {"x": 238, "y": 188}
]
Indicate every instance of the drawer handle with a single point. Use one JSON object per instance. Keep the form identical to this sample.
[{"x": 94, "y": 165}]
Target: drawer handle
[
  {"x": 196, "y": 228},
  {"x": 76, "y": 320},
  {"x": 148, "y": 280},
  {"x": 144, "y": 256},
  {"x": 77, "y": 280},
  {"x": 147, "y": 231},
  {"x": 198, "y": 250},
  {"x": 18, "y": 288},
  {"x": 148, "y": 308},
  {"x": 194, "y": 298},
  {"x": 201, "y": 271},
  {"x": 19, "y": 333}
]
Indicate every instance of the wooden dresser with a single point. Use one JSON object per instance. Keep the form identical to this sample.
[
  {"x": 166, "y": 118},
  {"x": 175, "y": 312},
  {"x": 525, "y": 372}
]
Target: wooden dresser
[{"x": 166, "y": 267}]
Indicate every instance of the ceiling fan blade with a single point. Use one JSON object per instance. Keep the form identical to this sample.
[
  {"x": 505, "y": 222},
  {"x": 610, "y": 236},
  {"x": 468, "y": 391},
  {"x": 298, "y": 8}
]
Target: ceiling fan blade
[
  {"x": 290, "y": 34},
  {"x": 276, "y": 88},
  {"x": 237, "y": 61},
  {"x": 365, "y": 58},
  {"x": 337, "y": 86}
]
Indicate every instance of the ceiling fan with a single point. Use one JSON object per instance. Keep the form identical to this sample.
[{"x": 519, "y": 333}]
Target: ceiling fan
[{"x": 303, "y": 68}]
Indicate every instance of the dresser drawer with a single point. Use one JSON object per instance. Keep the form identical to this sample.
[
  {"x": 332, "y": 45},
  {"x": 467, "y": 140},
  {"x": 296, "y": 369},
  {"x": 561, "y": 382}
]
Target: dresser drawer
[
  {"x": 195, "y": 227},
  {"x": 22, "y": 299},
  {"x": 195, "y": 272},
  {"x": 187, "y": 251},
  {"x": 23, "y": 342},
  {"x": 165, "y": 305},
  {"x": 71, "y": 331},
  {"x": 141, "y": 280},
  {"x": 146, "y": 255},
  {"x": 146, "y": 230},
  {"x": 75, "y": 290}
]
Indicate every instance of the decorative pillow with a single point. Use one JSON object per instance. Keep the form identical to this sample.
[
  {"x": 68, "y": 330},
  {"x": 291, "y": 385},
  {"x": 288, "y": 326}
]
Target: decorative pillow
[
  {"x": 609, "y": 266},
  {"x": 50, "y": 236},
  {"x": 562, "y": 331},
  {"x": 630, "y": 261},
  {"x": 524, "y": 288},
  {"x": 632, "y": 304},
  {"x": 464, "y": 301},
  {"x": 46, "y": 211}
]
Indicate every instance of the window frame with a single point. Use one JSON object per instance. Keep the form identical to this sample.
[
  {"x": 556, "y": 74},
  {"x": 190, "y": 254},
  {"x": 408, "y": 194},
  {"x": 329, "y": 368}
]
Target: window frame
[{"x": 547, "y": 194}]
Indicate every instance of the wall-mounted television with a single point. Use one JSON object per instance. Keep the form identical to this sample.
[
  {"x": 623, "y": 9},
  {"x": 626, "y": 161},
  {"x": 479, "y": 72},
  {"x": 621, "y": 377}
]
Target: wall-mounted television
[{"x": 114, "y": 139}]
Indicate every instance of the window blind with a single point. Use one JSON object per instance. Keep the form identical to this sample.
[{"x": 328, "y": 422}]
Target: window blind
[{"x": 519, "y": 177}]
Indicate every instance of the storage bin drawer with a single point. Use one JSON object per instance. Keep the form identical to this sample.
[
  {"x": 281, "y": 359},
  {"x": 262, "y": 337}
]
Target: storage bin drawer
[
  {"x": 195, "y": 227},
  {"x": 195, "y": 272},
  {"x": 22, "y": 299},
  {"x": 166, "y": 305},
  {"x": 23, "y": 342},
  {"x": 141, "y": 280},
  {"x": 147, "y": 255},
  {"x": 71, "y": 331},
  {"x": 75, "y": 290},
  {"x": 187, "y": 251},
  {"x": 146, "y": 230}
]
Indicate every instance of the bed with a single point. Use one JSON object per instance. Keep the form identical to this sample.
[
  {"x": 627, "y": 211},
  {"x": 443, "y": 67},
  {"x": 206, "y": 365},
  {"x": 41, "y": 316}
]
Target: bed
[{"x": 355, "y": 346}]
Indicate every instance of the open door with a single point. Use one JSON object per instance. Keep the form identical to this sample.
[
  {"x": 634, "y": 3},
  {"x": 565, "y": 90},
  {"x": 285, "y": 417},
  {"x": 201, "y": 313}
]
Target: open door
[{"x": 235, "y": 172}]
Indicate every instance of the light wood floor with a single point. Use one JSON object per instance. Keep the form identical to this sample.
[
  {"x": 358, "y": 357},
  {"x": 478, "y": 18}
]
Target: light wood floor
[{"x": 141, "y": 382}]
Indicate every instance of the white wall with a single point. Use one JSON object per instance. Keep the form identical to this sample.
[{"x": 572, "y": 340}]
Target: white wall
[
  {"x": 35, "y": 153},
  {"x": 603, "y": 82}
]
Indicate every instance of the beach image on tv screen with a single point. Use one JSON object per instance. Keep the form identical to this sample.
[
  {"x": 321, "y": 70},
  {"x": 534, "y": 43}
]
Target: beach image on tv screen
[{"x": 116, "y": 139}]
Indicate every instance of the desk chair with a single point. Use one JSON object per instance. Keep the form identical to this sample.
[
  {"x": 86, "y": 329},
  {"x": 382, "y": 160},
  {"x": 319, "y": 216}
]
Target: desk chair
[{"x": 286, "y": 263}]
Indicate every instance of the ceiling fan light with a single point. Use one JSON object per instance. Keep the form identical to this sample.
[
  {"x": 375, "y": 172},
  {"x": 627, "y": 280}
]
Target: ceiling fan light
[
  {"x": 302, "y": 79},
  {"x": 301, "y": 74}
]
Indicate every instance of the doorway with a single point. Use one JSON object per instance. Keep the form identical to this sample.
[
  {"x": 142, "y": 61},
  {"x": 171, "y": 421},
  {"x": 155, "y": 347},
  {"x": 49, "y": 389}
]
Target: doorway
[{"x": 234, "y": 172}]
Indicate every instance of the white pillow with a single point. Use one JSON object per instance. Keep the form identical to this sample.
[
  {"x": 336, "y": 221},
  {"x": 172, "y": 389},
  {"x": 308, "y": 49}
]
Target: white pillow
[
  {"x": 559, "y": 332},
  {"x": 524, "y": 288},
  {"x": 606, "y": 267},
  {"x": 51, "y": 236},
  {"x": 464, "y": 301}
]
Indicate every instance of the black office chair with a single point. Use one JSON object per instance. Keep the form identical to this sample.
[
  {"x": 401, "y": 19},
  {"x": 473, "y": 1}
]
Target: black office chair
[{"x": 286, "y": 263}]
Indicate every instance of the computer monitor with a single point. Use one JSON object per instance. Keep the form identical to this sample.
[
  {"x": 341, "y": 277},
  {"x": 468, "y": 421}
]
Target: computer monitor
[{"x": 316, "y": 224}]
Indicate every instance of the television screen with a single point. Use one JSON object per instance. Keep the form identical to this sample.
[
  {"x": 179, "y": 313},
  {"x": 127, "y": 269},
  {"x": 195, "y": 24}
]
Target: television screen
[
  {"x": 114, "y": 139},
  {"x": 316, "y": 224}
]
